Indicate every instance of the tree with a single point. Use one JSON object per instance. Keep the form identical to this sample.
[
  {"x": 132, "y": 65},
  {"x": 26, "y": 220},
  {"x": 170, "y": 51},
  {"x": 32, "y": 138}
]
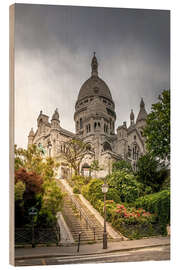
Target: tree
[
  {"x": 19, "y": 189},
  {"x": 95, "y": 166},
  {"x": 129, "y": 189},
  {"x": 157, "y": 131},
  {"x": 121, "y": 165},
  {"x": 52, "y": 199},
  {"x": 28, "y": 189},
  {"x": 32, "y": 180},
  {"x": 33, "y": 161},
  {"x": 149, "y": 172},
  {"x": 74, "y": 152}
]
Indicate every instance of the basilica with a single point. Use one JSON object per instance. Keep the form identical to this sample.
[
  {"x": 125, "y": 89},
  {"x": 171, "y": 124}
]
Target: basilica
[{"x": 94, "y": 119}]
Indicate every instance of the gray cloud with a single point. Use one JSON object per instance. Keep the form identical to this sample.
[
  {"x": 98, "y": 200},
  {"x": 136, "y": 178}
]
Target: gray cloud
[{"x": 53, "y": 50}]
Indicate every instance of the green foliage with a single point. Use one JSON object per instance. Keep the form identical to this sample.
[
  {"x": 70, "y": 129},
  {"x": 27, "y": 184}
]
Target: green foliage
[
  {"x": 151, "y": 173},
  {"x": 166, "y": 183},
  {"x": 147, "y": 171},
  {"x": 19, "y": 190},
  {"x": 131, "y": 222},
  {"x": 76, "y": 190},
  {"x": 32, "y": 161},
  {"x": 159, "y": 204},
  {"x": 126, "y": 185},
  {"x": 121, "y": 165},
  {"x": 52, "y": 198},
  {"x": 77, "y": 182},
  {"x": 94, "y": 190},
  {"x": 157, "y": 131},
  {"x": 35, "y": 182},
  {"x": 45, "y": 219}
]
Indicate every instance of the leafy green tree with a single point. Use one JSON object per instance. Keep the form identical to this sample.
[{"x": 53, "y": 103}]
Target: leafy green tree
[
  {"x": 74, "y": 152},
  {"x": 19, "y": 189},
  {"x": 31, "y": 160},
  {"x": 149, "y": 172},
  {"x": 52, "y": 198},
  {"x": 157, "y": 131},
  {"x": 129, "y": 189},
  {"x": 122, "y": 165}
]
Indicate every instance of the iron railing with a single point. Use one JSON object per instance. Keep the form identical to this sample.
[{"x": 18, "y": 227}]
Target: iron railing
[
  {"x": 83, "y": 215},
  {"x": 37, "y": 235}
]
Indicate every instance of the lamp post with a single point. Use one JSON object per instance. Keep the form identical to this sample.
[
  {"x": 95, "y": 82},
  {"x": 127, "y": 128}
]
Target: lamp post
[{"x": 104, "y": 190}]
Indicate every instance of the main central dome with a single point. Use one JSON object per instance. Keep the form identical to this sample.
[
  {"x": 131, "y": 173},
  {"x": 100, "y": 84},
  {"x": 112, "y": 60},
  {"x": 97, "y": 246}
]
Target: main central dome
[{"x": 94, "y": 86}]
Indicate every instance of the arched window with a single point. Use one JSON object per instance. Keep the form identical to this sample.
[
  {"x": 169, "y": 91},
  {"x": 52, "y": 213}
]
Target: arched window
[
  {"x": 95, "y": 125},
  {"x": 77, "y": 125},
  {"x": 107, "y": 146},
  {"x": 129, "y": 151},
  {"x": 99, "y": 125},
  {"x": 105, "y": 128},
  {"x": 135, "y": 152},
  {"x": 81, "y": 123}
]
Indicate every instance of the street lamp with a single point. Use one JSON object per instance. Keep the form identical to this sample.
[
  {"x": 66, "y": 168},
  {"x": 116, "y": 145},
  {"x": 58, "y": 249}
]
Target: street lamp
[{"x": 104, "y": 190}]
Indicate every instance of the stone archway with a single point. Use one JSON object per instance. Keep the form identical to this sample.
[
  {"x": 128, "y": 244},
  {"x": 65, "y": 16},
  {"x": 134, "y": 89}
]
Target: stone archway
[
  {"x": 107, "y": 146},
  {"x": 85, "y": 169}
]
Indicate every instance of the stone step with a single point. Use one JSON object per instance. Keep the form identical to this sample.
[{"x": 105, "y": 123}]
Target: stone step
[{"x": 77, "y": 224}]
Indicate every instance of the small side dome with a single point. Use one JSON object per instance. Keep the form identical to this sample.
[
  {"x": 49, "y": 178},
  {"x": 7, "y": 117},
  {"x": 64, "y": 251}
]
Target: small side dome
[{"x": 55, "y": 115}]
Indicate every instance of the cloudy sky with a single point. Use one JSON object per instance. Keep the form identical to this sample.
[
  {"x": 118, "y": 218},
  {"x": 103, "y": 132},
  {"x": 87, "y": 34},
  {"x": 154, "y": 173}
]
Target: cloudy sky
[{"x": 53, "y": 50}]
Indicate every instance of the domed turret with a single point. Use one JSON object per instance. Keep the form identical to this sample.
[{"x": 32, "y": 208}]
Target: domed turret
[
  {"x": 94, "y": 86},
  {"x": 94, "y": 109},
  {"x": 55, "y": 120}
]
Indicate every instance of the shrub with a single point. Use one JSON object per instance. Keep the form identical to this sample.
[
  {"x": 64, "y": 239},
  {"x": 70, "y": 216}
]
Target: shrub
[
  {"x": 76, "y": 190},
  {"x": 134, "y": 223},
  {"x": 159, "y": 204},
  {"x": 148, "y": 172},
  {"x": 121, "y": 165},
  {"x": 19, "y": 189},
  {"x": 52, "y": 198},
  {"x": 94, "y": 190},
  {"x": 126, "y": 185},
  {"x": 79, "y": 181},
  {"x": 45, "y": 219}
]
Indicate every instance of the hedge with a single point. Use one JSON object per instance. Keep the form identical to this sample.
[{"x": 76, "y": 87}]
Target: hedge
[{"x": 159, "y": 204}]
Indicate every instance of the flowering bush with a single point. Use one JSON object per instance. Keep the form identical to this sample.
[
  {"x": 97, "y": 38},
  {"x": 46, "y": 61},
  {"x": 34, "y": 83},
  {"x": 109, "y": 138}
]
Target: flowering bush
[
  {"x": 131, "y": 215},
  {"x": 134, "y": 223}
]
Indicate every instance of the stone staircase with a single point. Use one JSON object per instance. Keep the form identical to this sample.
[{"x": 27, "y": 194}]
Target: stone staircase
[{"x": 79, "y": 219}]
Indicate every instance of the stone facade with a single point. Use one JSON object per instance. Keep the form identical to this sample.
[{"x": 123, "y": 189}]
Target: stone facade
[{"x": 94, "y": 118}]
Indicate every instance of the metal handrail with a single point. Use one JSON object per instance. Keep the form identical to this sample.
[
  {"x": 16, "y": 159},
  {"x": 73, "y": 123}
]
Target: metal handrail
[{"x": 83, "y": 214}]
